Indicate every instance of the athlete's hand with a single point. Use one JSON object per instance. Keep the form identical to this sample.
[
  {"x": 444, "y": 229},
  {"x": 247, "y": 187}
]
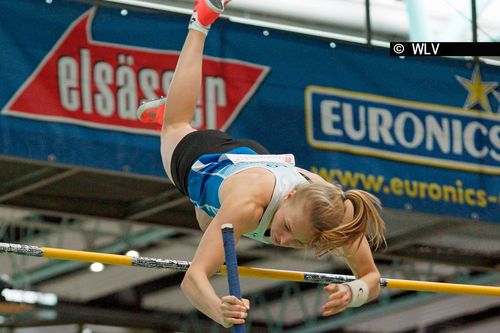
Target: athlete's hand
[
  {"x": 340, "y": 296},
  {"x": 234, "y": 310}
]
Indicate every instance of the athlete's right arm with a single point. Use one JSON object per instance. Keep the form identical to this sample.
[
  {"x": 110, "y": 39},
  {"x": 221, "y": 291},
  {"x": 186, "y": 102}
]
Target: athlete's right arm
[{"x": 210, "y": 256}]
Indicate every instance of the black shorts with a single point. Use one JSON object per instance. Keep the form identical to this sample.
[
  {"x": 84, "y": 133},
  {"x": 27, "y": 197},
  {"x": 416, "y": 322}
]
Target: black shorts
[{"x": 197, "y": 143}]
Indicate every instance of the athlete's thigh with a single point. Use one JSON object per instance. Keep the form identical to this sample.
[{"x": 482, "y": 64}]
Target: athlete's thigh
[{"x": 170, "y": 138}]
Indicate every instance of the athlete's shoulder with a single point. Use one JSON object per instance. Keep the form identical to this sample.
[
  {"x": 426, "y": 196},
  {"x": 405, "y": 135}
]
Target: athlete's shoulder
[
  {"x": 254, "y": 184},
  {"x": 245, "y": 201},
  {"x": 315, "y": 178}
]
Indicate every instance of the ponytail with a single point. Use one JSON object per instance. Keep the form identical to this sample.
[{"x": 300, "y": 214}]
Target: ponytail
[
  {"x": 327, "y": 206},
  {"x": 366, "y": 216}
]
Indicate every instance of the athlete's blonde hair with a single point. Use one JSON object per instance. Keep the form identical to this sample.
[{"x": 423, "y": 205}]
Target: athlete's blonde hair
[{"x": 326, "y": 205}]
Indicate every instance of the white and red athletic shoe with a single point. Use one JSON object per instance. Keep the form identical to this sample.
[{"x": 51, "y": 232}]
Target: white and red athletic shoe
[{"x": 205, "y": 13}]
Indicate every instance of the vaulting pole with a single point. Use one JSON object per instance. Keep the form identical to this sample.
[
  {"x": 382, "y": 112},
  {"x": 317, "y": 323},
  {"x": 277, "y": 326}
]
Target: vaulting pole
[
  {"x": 232, "y": 268},
  {"x": 252, "y": 272}
]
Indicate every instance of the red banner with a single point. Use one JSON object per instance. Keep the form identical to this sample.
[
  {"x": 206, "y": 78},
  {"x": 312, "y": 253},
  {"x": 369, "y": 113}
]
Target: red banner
[{"x": 98, "y": 84}]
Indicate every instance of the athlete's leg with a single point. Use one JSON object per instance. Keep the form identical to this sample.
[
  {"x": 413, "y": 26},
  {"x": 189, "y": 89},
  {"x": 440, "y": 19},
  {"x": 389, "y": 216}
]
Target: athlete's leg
[
  {"x": 182, "y": 96},
  {"x": 185, "y": 87},
  {"x": 204, "y": 14}
]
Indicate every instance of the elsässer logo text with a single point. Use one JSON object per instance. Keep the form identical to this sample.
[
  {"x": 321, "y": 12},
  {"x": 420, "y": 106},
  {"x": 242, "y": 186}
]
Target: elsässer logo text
[{"x": 100, "y": 84}]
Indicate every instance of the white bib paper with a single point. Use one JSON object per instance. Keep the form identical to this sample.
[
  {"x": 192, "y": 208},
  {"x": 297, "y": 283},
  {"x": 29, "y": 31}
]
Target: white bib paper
[{"x": 237, "y": 158}]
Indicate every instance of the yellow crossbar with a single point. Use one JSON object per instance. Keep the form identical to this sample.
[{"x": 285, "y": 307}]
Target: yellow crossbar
[
  {"x": 439, "y": 287},
  {"x": 109, "y": 259},
  {"x": 252, "y": 272}
]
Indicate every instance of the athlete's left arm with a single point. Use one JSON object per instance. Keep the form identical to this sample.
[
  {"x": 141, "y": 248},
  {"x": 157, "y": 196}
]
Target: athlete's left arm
[{"x": 361, "y": 262}]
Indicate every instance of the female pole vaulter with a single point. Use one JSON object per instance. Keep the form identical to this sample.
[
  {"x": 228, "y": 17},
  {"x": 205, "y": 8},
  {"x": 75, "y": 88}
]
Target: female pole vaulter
[{"x": 264, "y": 196}]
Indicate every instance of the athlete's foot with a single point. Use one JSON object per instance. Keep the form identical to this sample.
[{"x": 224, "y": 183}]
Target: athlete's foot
[
  {"x": 152, "y": 111},
  {"x": 205, "y": 13}
]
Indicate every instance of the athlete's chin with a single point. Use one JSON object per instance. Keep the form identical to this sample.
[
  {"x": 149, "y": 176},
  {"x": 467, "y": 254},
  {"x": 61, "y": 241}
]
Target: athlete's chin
[{"x": 274, "y": 240}]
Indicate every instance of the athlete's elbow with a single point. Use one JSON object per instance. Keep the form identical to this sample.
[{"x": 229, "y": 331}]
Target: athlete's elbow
[
  {"x": 375, "y": 292},
  {"x": 374, "y": 286},
  {"x": 187, "y": 283}
]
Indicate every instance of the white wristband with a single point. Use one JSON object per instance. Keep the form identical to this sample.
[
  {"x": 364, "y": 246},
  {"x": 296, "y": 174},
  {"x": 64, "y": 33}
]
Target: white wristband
[{"x": 359, "y": 291}]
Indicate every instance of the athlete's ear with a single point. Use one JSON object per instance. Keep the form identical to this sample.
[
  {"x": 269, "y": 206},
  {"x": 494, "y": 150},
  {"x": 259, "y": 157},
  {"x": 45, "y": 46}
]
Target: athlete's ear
[{"x": 290, "y": 195}]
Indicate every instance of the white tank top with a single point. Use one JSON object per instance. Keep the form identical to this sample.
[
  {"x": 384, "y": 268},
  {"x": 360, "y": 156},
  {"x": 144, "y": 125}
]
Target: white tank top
[{"x": 286, "y": 179}]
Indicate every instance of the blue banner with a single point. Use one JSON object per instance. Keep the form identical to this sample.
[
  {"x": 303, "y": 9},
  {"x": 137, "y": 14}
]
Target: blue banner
[{"x": 420, "y": 133}]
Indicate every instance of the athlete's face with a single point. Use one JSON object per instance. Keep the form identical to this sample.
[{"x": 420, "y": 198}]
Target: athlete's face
[{"x": 291, "y": 225}]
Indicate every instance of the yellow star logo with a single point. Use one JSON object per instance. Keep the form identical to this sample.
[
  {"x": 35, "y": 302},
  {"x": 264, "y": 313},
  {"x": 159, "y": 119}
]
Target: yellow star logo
[{"x": 478, "y": 90}]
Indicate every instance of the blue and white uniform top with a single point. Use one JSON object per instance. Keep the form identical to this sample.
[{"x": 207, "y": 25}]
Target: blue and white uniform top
[{"x": 209, "y": 172}]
